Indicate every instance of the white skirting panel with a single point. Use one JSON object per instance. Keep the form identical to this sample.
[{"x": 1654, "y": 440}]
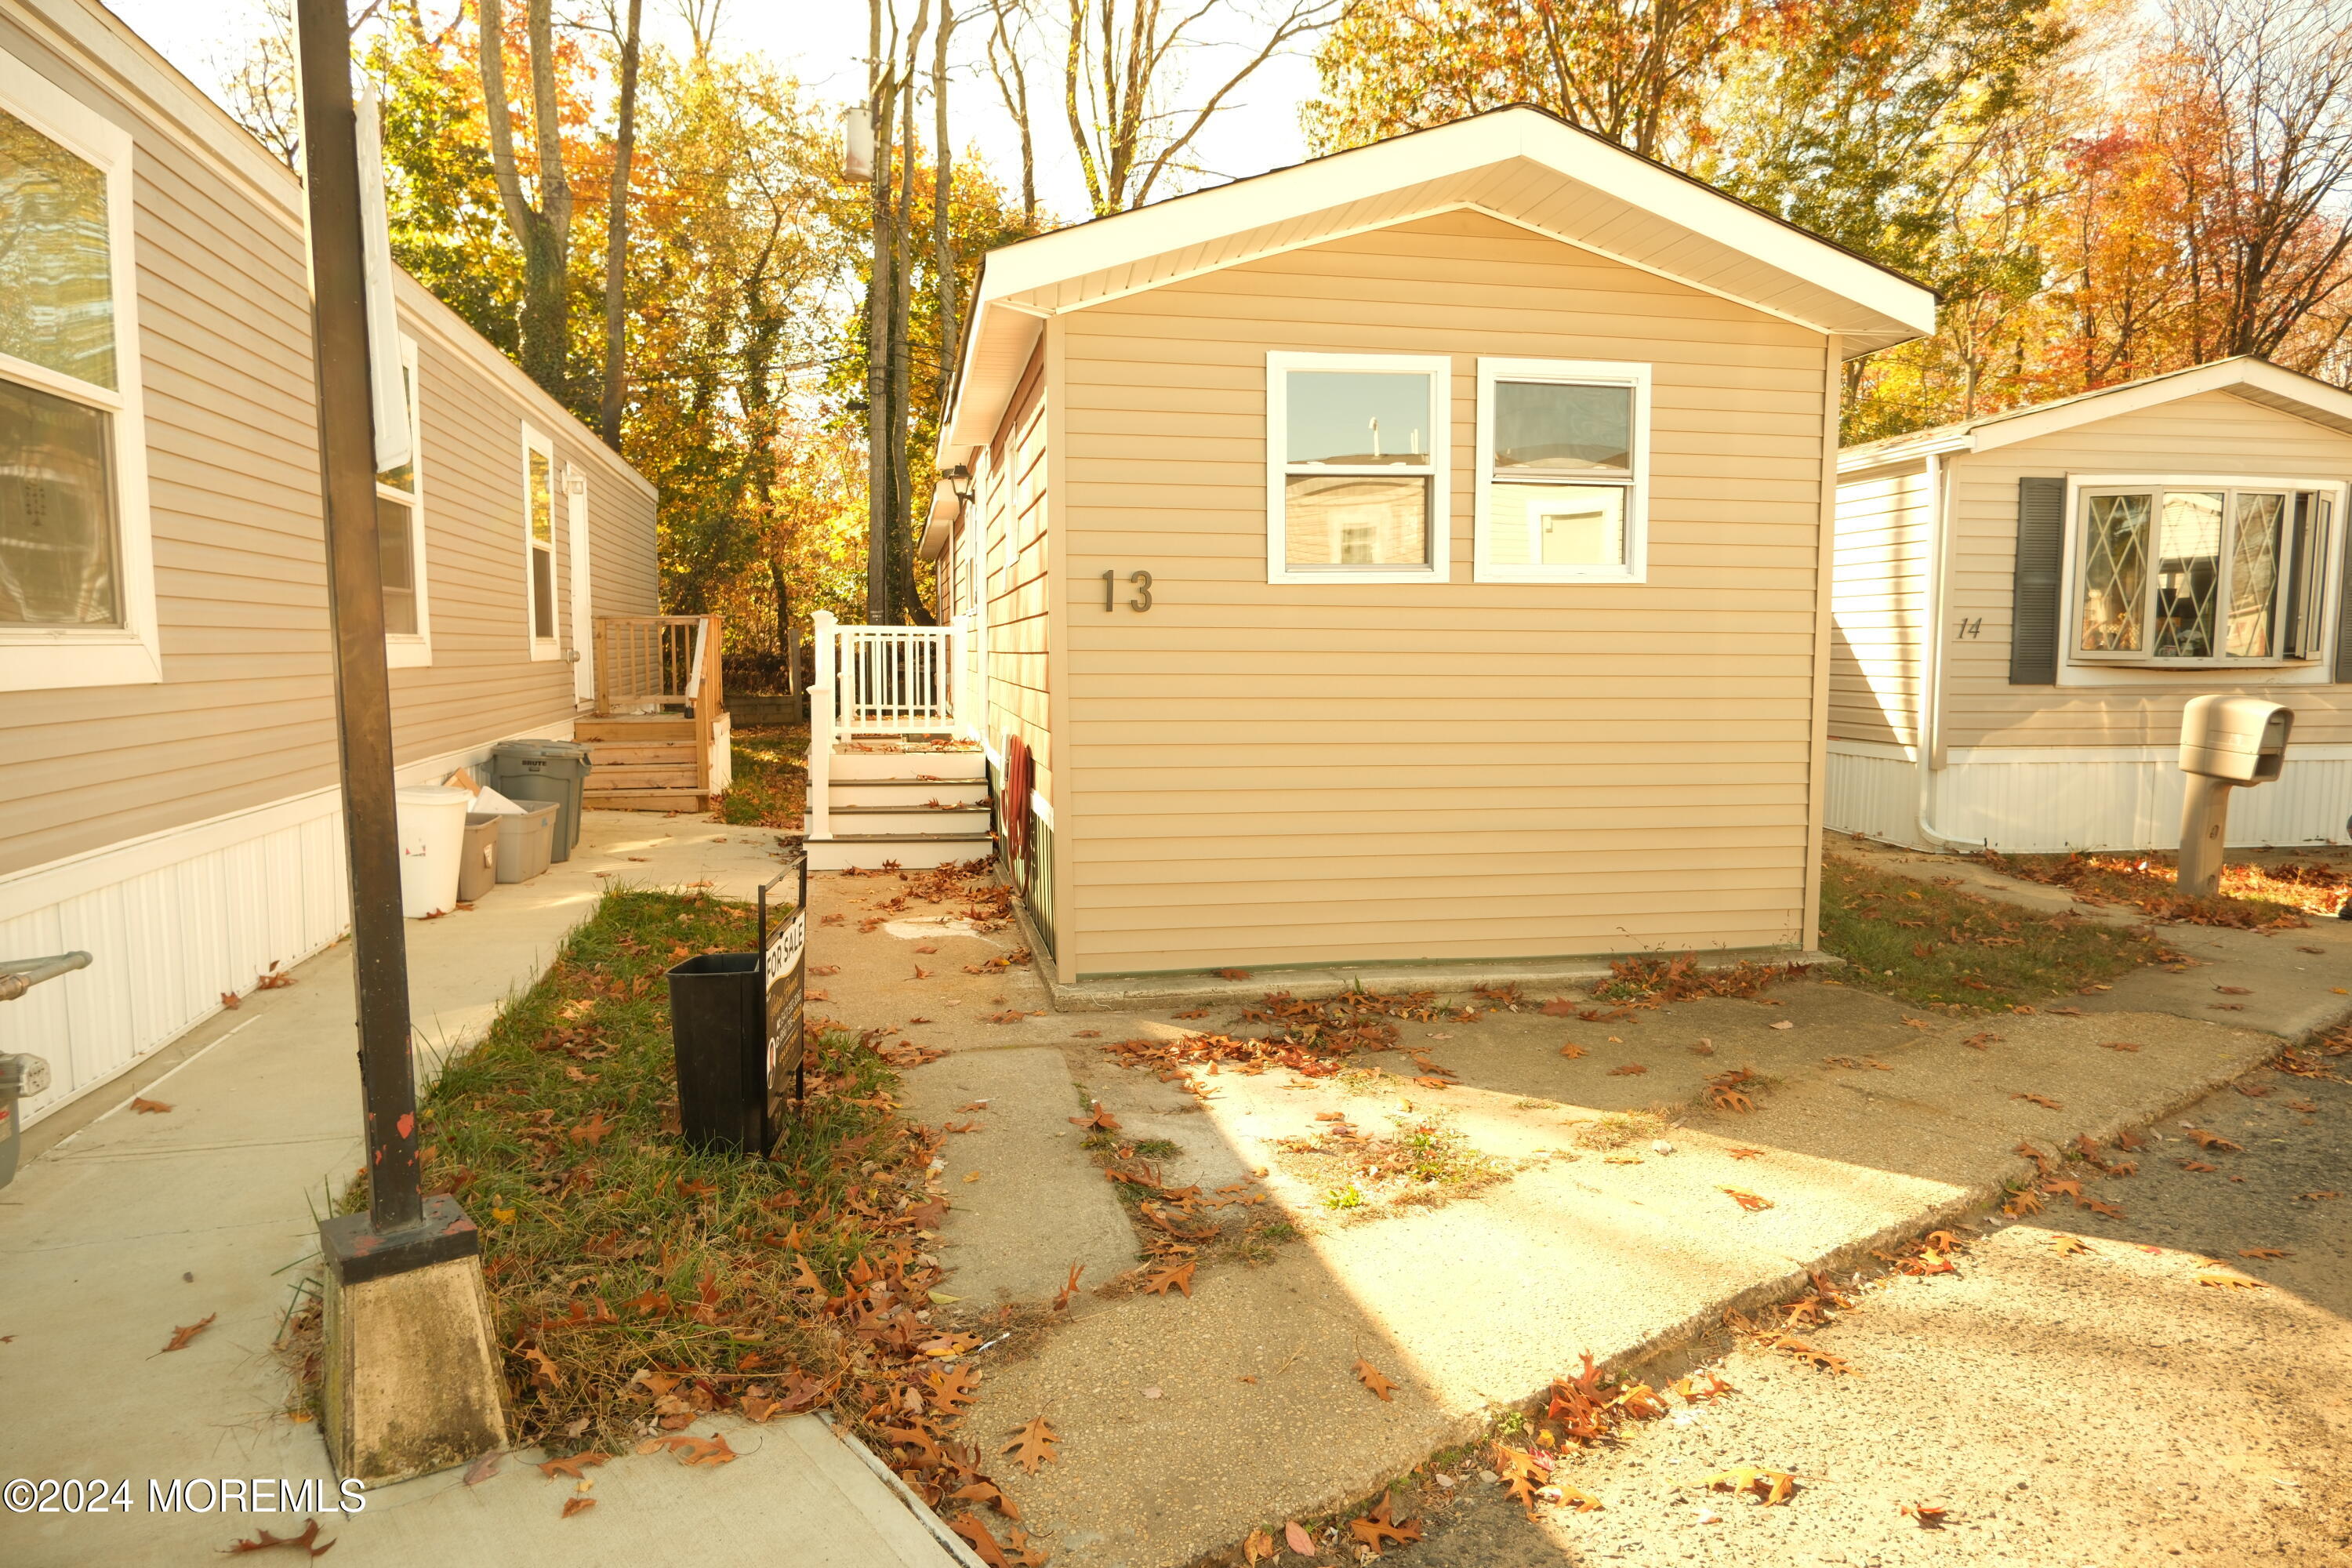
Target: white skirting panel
[
  {"x": 173, "y": 920},
  {"x": 722, "y": 754},
  {"x": 2024, "y": 805}
]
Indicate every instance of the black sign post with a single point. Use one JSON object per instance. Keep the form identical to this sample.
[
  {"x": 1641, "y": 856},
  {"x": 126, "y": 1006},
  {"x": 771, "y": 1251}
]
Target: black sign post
[{"x": 784, "y": 970}]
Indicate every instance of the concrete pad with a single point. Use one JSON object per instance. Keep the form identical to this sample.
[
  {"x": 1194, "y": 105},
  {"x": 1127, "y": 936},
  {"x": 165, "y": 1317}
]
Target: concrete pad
[
  {"x": 124, "y": 1226},
  {"x": 1041, "y": 1203}
]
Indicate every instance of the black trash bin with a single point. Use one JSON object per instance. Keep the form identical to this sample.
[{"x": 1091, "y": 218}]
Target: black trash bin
[{"x": 735, "y": 1025}]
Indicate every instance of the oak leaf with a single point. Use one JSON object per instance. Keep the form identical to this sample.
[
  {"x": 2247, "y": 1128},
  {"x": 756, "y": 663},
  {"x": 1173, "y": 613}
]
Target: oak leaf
[
  {"x": 1930, "y": 1515},
  {"x": 148, "y": 1107},
  {"x": 187, "y": 1331},
  {"x": 1371, "y": 1377},
  {"x": 1981, "y": 1042},
  {"x": 2317, "y": 1196},
  {"x": 1070, "y": 1288},
  {"x": 1096, "y": 1118},
  {"x": 1628, "y": 1071},
  {"x": 1033, "y": 1445},
  {"x": 2205, "y": 1140},
  {"x": 2265, "y": 1252},
  {"x": 1770, "y": 1486},
  {"x": 2041, "y": 1100},
  {"x": 1257, "y": 1547},
  {"x": 1559, "y": 1007},
  {"x": 1748, "y": 1201},
  {"x": 307, "y": 1543},
  {"x": 1178, "y": 1278},
  {"x": 1572, "y": 1050},
  {"x": 576, "y": 1504},
  {"x": 2198, "y": 1165},
  {"x": 2068, "y": 1246},
  {"x": 986, "y": 1490},
  {"x": 1233, "y": 974},
  {"x": 573, "y": 1466},
  {"x": 984, "y": 1546},
  {"x": 2231, "y": 1283},
  {"x": 1378, "y": 1530},
  {"x": 700, "y": 1450},
  {"x": 1522, "y": 1471},
  {"x": 2117, "y": 1045},
  {"x": 2110, "y": 1211},
  {"x": 1744, "y": 1153}
]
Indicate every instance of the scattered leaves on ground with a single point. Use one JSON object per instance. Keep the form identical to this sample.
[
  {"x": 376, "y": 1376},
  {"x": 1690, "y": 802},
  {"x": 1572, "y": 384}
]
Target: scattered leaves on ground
[
  {"x": 1768, "y": 1486},
  {"x": 1378, "y": 1531}
]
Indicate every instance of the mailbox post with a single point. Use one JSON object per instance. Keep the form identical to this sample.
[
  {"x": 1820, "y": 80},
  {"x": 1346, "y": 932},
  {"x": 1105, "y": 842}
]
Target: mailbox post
[{"x": 2225, "y": 743}]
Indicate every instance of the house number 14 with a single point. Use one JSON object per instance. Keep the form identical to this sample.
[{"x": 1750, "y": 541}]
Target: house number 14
[{"x": 1139, "y": 581}]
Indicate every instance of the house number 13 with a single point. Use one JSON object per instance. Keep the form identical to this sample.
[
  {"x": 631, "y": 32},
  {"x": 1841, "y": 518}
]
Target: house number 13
[{"x": 1139, "y": 581}]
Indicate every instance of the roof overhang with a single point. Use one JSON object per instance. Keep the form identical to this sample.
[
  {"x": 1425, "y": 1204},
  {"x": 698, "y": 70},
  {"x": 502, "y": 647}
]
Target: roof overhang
[
  {"x": 1520, "y": 164},
  {"x": 2257, "y": 381}
]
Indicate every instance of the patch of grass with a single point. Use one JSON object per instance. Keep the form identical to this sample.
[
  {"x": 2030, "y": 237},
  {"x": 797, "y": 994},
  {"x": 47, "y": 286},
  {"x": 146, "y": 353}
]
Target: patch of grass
[
  {"x": 771, "y": 783},
  {"x": 1938, "y": 946},
  {"x": 1619, "y": 1128},
  {"x": 2252, "y": 897},
  {"x": 1156, "y": 1149},
  {"x": 1423, "y": 1159},
  {"x": 612, "y": 1251}
]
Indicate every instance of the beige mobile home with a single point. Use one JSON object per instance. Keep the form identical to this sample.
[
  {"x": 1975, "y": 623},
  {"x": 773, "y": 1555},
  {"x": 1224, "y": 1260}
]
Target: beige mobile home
[
  {"x": 2025, "y": 600},
  {"x": 1417, "y": 555},
  {"x": 167, "y": 788}
]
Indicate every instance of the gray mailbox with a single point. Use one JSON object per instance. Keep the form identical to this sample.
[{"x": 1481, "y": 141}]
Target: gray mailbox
[{"x": 2225, "y": 743}]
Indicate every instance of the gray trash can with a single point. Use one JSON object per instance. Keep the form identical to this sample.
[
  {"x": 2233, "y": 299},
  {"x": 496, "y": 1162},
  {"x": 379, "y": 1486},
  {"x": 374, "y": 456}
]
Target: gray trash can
[
  {"x": 526, "y": 841},
  {"x": 544, "y": 769},
  {"x": 477, "y": 861}
]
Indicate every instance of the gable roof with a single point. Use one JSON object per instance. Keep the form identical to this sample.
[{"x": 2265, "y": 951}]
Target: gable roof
[
  {"x": 2249, "y": 376},
  {"x": 1519, "y": 163}
]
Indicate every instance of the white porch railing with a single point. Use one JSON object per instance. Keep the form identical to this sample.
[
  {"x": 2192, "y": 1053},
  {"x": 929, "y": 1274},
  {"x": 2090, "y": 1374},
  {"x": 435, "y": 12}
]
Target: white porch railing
[{"x": 878, "y": 680}]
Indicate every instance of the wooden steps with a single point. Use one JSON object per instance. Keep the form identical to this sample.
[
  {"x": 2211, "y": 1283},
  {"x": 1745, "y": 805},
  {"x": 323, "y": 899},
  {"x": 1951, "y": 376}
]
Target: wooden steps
[
  {"x": 913, "y": 804},
  {"x": 641, "y": 763}
]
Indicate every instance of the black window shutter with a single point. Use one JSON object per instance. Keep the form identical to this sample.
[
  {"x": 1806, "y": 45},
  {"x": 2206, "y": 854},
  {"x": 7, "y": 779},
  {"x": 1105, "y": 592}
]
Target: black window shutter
[{"x": 2033, "y": 605}]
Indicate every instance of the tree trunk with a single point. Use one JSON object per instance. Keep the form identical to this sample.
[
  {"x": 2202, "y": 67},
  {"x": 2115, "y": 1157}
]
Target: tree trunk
[
  {"x": 543, "y": 233},
  {"x": 616, "y": 241},
  {"x": 878, "y": 316}
]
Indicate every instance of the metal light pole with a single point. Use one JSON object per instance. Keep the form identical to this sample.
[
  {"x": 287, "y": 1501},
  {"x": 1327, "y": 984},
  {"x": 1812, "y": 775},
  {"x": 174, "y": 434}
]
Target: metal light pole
[{"x": 412, "y": 1379}]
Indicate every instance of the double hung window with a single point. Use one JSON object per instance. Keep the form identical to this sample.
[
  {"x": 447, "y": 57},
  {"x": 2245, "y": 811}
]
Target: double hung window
[
  {"x": 538, "y": 540},
  {"x": 2202, "y": 573},
  {"x": 1356, "y": 483},
  {"x": 1563, "y": 458},
  {"x": 77, "y": 596},
  {"x": 400, "y": 536}
]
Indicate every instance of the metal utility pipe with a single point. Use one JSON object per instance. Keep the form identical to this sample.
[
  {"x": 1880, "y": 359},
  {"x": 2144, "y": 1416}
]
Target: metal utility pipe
[{"x": 355, "y": 610}]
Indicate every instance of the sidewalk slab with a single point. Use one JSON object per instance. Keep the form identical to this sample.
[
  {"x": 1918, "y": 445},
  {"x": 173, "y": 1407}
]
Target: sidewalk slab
[{"x": 128, "y": 1226}]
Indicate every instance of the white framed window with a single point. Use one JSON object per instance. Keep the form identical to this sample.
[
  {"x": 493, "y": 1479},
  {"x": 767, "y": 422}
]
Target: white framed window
[
  {"x": 76, "y": 559},
  {"x": 1563, "y": 488},
  {"x": 2200, "y": 572},
  {"x": 1357, "y": 451},
  {"x": 400, "y": 537},
  {"x": 539, "y": 544}
]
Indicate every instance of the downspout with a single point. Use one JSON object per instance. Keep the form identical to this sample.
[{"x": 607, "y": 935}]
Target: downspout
[{"x": 1929, "y": 737}]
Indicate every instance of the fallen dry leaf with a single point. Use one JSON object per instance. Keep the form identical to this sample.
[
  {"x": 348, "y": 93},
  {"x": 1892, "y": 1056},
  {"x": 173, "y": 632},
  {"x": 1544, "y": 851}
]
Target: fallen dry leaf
[
  {"x": 2234, "y": 990},
  {"x": 2118, "y": 1045},
  {"x": 231, "y": 1001},
  {"x": 1369, "y": 1376},
  {"x": 2206, "y": 1140},
  {"x": 2111, "y": 1211},
  {"x": 1179, "y": 1277},
  {"x": 2265, "y": 1252},
  {"x": 148, "y": 1107},
  {"x": 700, "y": 1450},
  {"x": 307, "y": 1543},
  {"x": 186, "y": 1331},
  {"x": 1572, "y": 1050},
  {"x": 1747, "y": 1201},
  {"x": 1294, "y": 1536},
  {"x": 1062, "y": 1296},
  {"x": 2068, "y": 1246},
  {"x": 571, "y": 1466},
  {"x": 1628, "y": 1071},
  {"x": 484, "y": 1467},
  {"x": 1033, "y": 1445},
  {"x": 1784, "y": 1024},
  {"x": 2231, "y": 1283},
  {"x": 1930, "y": 1515},
  {"x": 2198, "y": 1165},
  {"x": 1257, "y": 1547},
  {"x": 1378, "y": 1531},
  {"x": 2317, "y": 1197},
  {"x": 572, "y": 1505},
  {"x": 1097, "y": 1119},
  {"x": 2041, "y": 1100},
  {"x": 1770, "y": 1486},
  {"x": 1744, "y": 1153},
  {"x": 1233, "y": 974}
]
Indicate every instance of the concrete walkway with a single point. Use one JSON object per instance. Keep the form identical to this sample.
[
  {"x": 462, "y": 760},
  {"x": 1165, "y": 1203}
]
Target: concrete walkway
[
  {"x": 1185, "y": 1422},
  {"x": 128, "y": 1226}
]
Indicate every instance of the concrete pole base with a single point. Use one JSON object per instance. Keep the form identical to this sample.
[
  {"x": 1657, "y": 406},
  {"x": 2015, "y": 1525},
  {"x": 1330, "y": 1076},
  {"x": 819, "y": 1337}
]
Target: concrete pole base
[
  {"x": 413, "y": 1380},
  {"x": 2204, "y": 831}
]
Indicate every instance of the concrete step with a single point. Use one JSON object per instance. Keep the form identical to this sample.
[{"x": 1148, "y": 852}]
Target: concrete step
[
  {"x": 911, "y": 793},
  {"x": 910, "y": 819},
  {"x": 918, "y": 851},
  {"x": 910, "y": 762}
]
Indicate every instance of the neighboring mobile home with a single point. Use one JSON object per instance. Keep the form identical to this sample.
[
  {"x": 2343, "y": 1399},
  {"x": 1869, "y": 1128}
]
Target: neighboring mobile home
[
  {"x": 2025, "y": 600},
  {"x": 1417, "y": 555},
  {"x": 168, "y": 796}
]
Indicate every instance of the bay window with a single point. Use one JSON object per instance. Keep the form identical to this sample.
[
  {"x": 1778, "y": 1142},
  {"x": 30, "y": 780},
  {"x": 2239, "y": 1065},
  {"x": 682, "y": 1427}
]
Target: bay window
[
  {"x": 76, "y": 592},
  {"x": 2201, "y": 572},
  {"x": 1356, "y": 475},
  {"x": 1563, "y": 460}
]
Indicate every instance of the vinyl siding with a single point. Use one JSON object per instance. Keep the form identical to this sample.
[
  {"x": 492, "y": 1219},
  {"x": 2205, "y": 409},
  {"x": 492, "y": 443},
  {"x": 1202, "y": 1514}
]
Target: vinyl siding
[
  {"x": 1018, "y": 513},
  {"x": 2211, "y": 433},
  {"x": 1879, "y": 607},
  {"x": 244, "y": 713},
  {"x": 1272, "y": 774}
]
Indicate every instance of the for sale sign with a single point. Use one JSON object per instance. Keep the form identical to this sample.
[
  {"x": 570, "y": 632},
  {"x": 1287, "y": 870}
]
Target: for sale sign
[{"x": 785, "y": 967}]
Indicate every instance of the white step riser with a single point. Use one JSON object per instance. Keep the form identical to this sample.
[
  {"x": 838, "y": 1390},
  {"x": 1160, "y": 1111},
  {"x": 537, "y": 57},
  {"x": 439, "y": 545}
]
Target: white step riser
[
  {"x": 908, "y": 764},
  {"x": 837, "y": 855},
  {"x": 859, "y": 792},
  {"x": 965, "y": 821}
]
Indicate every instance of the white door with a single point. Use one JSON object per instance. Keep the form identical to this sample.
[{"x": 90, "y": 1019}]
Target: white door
[{"x": 584, "y": 624}]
